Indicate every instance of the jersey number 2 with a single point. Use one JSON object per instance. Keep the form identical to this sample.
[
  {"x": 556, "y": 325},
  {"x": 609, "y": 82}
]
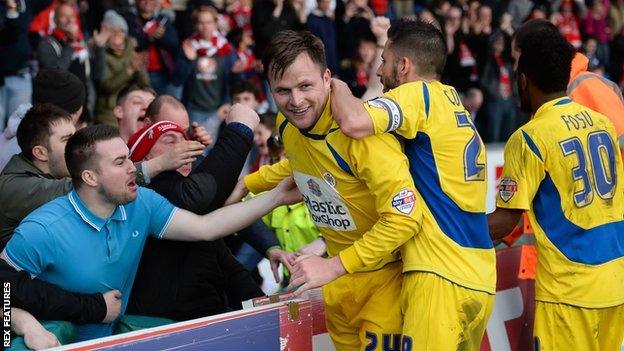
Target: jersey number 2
[
  {"x": 473, "y": 170},
  {"x": 602, "y": 159}
]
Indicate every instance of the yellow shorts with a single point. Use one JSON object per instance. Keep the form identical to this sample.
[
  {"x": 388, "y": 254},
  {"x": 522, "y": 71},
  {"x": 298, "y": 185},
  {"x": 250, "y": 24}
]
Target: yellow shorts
[
  {"x": 564, "y": 327},
  {"x": 362, "y": 310},
  {"x": 441, "y": 315}
]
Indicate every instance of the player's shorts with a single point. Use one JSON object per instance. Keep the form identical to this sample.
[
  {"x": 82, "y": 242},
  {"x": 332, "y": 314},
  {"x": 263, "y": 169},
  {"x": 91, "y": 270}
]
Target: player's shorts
[
  {"x": 565, "y": 327},
  {"x": 441, "y": 315},
  {"x": 362, "y": 310}
]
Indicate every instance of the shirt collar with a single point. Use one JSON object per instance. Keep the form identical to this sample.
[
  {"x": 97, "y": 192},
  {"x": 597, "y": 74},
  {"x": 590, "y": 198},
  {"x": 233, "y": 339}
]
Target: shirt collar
[
  {"x": 89, "y": 217},
  {"x": 552, "y": 104},
  {"x": 323, "y": 126}
]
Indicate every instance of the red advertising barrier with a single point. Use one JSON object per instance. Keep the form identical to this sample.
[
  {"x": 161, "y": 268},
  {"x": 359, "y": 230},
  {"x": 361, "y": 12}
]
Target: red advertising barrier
[{"x": 277, "y": 323}]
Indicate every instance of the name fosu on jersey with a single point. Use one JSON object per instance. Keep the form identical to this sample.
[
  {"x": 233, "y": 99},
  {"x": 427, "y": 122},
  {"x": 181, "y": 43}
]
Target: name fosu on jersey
[{"x": 326, "y": 213}]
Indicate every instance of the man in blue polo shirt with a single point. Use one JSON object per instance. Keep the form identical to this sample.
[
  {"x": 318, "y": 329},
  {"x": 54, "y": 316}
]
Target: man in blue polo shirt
[{"x": 91, "y": 239}]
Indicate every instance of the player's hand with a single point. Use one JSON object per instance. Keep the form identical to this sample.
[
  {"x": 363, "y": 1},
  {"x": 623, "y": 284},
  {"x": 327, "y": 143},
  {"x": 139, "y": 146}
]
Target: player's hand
[
  {"x": 286, "y": 192},
  {"x": 311, "y": 271},
  {"x": 37, "y": 338},
  {"x": 277, "y": 256},
  {"x": 243, "y": 114},
  {"x": 201, "y": 134},
  {"x": 339, "y": 85},
  {"x": 113, "y": 305},
  {"x": 316, "y": 247}
]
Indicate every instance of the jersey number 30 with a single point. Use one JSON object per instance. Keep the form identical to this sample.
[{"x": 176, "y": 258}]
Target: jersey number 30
[{"x": 602, "y": 159}]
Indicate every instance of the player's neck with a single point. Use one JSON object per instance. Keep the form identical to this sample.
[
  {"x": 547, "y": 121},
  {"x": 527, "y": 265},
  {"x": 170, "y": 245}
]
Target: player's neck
[
  {"x": 541, "y": 99},
  {"x": 421, "y": 78}
]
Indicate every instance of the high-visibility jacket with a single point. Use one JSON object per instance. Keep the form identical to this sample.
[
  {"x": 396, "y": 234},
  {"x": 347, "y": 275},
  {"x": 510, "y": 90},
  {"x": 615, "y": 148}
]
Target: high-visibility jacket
[{"x": 598, "y": 93}]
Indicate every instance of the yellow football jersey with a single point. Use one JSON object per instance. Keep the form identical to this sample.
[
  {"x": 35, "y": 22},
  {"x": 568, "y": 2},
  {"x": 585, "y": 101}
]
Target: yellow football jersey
[
  {"x": 359, "y": 192},
  {"x": 562, "y": 167},
  {"x": 448, "y": 164}
]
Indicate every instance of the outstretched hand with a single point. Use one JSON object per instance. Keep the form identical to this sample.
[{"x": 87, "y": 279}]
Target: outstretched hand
[{"x": 311, "y": 271}]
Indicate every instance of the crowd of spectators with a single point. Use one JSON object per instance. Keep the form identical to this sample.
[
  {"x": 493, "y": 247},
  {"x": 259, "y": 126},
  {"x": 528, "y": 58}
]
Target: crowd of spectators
[{"x": 196, "y": 50}]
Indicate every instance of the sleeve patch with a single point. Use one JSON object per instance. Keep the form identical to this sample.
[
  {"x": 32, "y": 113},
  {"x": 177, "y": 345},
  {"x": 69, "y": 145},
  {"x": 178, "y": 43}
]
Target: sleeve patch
[
  {"x": 507, "y": 188},
  {"x": 404, "y": 201}
]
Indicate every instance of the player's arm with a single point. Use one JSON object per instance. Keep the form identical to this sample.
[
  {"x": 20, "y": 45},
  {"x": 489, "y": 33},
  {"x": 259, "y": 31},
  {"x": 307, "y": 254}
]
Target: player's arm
[
  {"x": 400, "y": 111},
  {"x": 522, "y": 173},
  {"x": 502, "y": 221},
  {"x": 266, "y": 178},
  {"x": 384, "y": 169},
  {"x": 382, "y": 166},
  {"x": 349, "y": 112},
  {"x": 187, "y": 226}
]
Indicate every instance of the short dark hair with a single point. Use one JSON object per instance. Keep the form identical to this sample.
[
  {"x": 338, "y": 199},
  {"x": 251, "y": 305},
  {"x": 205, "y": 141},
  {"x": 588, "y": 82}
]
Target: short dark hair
[
  {"x": 546, "y": 60},
  {"x": 534, "y": 25},
  {"x": 153, "y": 109},
  {"x": 80, "y": 149},
  {"x": 36, "y": 127},
  {"x": 284, "y": 48},
  {"x": 126, "y": 90},
  {"x": 245, "y": 86},
  {"x": 421, "y": 42}
]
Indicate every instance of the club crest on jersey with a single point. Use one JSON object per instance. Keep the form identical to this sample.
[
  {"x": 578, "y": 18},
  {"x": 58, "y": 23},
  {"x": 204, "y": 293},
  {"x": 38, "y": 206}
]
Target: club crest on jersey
[
  {"x": 314, "y": 187},
  {"x": 507, "y": 188},
  {"x": 329, "y": 178},
  {"x": 404, "y": 201}
]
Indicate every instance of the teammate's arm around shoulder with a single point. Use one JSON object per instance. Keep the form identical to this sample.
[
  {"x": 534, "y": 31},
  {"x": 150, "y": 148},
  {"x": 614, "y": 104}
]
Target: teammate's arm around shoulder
[
  {"x": 401, "y": 110},
  {"x": 349, "y": 112}
]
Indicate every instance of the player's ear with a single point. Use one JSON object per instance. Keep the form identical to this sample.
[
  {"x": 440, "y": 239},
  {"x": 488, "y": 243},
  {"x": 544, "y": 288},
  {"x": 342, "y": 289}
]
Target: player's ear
[
  {"x": 327, "y": 78},
  {"x": 522, "y": 81},
  {"x": 405, "y": 65}
]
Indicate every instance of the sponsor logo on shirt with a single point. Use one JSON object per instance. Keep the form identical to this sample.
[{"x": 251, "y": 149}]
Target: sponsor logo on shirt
[
  {"x": 404, "y": 201},
  {"x": 507, "y": 188},
  {"x": 327, "y": 208}
]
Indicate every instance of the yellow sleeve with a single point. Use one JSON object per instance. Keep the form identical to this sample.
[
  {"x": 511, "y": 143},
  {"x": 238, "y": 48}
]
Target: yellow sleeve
[
  {"x": 400, "y": 110},
  {"x": 379, "y": 162},
  {"x": 523, "y": 172},
  {"x": 267, "y": 177}
]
